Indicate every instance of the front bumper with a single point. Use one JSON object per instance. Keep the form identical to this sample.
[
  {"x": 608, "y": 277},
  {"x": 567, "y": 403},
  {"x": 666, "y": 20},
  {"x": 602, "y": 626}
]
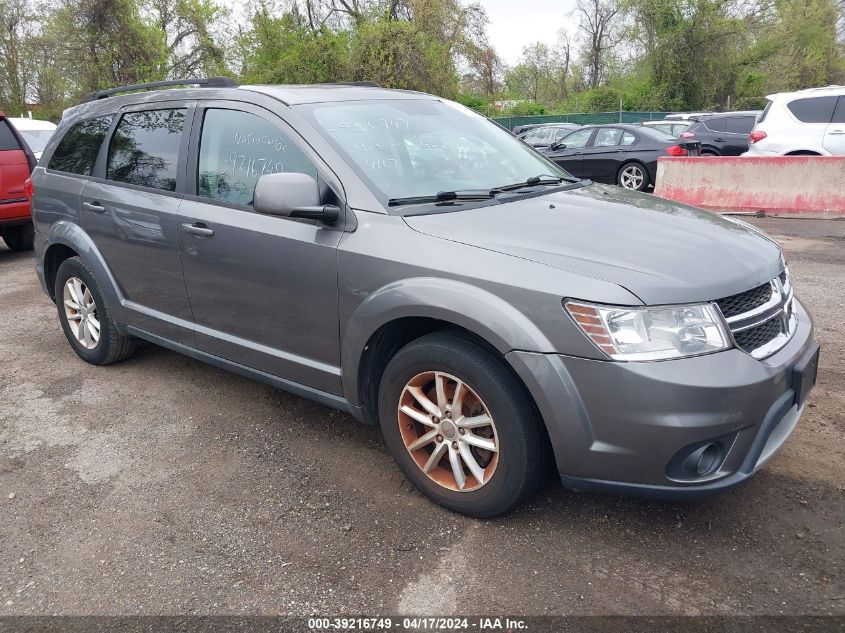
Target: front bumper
[{"x": 617, "y": 426}]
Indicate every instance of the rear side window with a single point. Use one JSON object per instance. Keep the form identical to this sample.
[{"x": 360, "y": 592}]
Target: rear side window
[
  {"x": 7, "y": 138},
  {"x": 236, "y": 149},
  {"x": 607, "y": 137},
  {"x": 716, "y": 124},
  {"x": 839, "y": 113},
  {"x": 145, "y": 149},
  {"x": 813, "y": 109},
  {"x": 77, "y": 152},
  {"x": 739, "y": 124}
]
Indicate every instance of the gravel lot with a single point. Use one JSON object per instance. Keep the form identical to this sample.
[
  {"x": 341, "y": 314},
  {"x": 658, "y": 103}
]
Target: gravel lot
[{"x": 165, "y": 486}]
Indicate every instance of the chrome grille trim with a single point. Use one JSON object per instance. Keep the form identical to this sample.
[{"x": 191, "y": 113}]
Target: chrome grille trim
[{"x": 780, "y": 306}]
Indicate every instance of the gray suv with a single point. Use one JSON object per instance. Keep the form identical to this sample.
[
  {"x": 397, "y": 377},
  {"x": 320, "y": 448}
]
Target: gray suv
[{"x": 398, "y": 257}]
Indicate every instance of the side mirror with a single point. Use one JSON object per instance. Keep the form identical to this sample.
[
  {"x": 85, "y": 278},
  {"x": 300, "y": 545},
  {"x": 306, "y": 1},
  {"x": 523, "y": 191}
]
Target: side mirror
[
  {"x": 292, "y": 195},
  {"x": 558, "y": 146}
]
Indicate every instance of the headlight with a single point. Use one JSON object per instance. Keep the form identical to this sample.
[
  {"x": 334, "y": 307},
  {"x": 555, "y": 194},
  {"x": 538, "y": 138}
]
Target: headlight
[{"x": 647, "y": 333}]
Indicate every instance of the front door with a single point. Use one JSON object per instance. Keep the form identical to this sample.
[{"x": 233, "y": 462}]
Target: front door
[
  {"x": 131, "y": 213},
  {"x": 570, "y": 157},
  {"x": 263, "y": 289},
  {"x": 834, "y": 137}
]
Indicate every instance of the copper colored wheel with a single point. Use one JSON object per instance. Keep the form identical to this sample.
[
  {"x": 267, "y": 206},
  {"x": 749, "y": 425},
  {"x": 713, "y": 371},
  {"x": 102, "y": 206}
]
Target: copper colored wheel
[{"x": 448, "y": 431}]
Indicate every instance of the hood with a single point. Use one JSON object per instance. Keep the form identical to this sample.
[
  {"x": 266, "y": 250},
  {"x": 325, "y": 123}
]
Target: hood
[{"x": 661, "y": 251}]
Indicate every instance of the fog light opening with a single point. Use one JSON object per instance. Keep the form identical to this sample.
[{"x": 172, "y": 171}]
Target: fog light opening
[{"x": 708, "y": 459}]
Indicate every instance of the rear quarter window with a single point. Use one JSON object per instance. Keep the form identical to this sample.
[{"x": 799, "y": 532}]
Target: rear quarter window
[
  {"x": 7, "y": 138},
  {"x": 813, "y": 109},
  {"x": 77, "y": 152}
]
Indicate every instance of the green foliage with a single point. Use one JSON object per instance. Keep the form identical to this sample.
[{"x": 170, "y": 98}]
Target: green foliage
[{"x": 525, "y": 108}]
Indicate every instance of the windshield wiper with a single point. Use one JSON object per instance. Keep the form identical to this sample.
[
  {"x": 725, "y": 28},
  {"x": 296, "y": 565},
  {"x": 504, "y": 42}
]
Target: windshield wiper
[
  {"x": 443, "y": 196},
  {"x": 534, "y": 181}
]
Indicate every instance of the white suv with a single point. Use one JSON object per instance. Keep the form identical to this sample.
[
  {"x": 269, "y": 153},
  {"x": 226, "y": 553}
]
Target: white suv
[{"x": 807, "y": 122}]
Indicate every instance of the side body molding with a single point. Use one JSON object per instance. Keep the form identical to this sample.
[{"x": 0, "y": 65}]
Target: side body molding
[
  {"x": 470, "y": 307},
  {"x": 73, "y": 236}
]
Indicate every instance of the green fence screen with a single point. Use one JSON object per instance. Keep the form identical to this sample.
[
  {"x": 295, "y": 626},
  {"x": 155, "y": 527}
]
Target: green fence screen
[{"x": 583, "y": 118}]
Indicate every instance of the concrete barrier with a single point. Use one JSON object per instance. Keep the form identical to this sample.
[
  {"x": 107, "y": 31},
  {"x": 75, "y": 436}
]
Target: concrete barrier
[{"x": 780, "y": 185}]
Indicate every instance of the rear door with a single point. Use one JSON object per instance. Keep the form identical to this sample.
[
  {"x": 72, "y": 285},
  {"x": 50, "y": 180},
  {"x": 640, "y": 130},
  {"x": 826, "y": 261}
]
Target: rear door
[
  {"x": 130, "y": 210},
  {"x": 14, "y": 170},
  {"x": 834, "y": 138},
  {"x": 603, "y": 155}
]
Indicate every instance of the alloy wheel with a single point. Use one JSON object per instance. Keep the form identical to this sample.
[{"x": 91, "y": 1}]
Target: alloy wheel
[
  {"x": 81, "y": 312},
  {"x": 448, "y": 431},
  {"x": 632, "y": 177}
]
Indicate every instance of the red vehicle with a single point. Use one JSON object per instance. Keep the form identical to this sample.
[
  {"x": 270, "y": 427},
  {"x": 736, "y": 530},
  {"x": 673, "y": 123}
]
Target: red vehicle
[{"x": 16, "y": 164}]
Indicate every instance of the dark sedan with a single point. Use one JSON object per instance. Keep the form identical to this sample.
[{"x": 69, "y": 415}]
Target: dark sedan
[{"x": 625, "y": 155}]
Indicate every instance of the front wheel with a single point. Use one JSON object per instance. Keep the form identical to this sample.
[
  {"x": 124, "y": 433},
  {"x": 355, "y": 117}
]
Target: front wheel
[
  {"x": 633, "y": 176},
  {"x": 460, "y": 426}
]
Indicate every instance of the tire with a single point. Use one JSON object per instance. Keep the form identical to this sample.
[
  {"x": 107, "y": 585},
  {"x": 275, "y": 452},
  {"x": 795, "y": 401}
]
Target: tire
[
  {"x": 111, "y": 346},
  {"x": 708, "y": 152},
  {"x": 510, "y": 473},
  {"x": 633, "y": 176},
  {"x": 19, "y": 238}
]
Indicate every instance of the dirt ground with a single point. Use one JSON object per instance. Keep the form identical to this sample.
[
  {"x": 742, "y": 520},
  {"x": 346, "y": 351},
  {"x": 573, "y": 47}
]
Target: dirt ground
[{"x": 161, "y": 485}]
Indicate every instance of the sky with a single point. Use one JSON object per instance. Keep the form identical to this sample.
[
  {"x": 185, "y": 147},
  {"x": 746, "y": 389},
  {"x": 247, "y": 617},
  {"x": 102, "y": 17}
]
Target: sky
[{"x": 516, "y": 23}]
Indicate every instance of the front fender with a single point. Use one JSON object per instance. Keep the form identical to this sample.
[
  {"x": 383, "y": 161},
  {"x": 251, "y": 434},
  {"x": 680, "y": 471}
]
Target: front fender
[
  {"x": 484, "y": 314},
  {"x": 73, "y": 236}
]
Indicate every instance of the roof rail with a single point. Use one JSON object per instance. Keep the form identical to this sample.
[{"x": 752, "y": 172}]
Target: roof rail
[
  {"x": 365, "y": 84},
  {"x": 208, "y": 82}
]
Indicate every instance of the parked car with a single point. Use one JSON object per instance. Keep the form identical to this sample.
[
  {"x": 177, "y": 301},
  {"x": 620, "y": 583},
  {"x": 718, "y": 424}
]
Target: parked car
[
  {"x": 807, "y": 122},
  {"x": 673, "y": 128},
  {"x": 620, "y": 154},
  {"x": 686, "y": 116},
  {"x": 521, "y": 129},
  {"x": 546, "y": 135},
  {"x": 723, "y": 134},
  {"x": 16, "y": 163},
  {"x": 36, "y": 133},
  {"x": 492, "y": 313}
]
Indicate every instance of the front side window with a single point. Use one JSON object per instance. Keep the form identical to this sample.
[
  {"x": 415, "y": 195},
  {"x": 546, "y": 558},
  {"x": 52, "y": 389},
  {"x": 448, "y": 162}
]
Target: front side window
[
  {"x": 813, "y": 109},
  {"x": 418, "y": 147},
  {"x": 77, "y": 152},
  {"x": 577, "y": 139},
  {"x": 236, "y": 149},
  {"x": 145, "y": 149}
]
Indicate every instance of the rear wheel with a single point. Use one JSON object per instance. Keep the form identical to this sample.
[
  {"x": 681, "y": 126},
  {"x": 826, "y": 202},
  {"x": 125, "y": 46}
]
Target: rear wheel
[
  {"x": 633, "y": 176},
  {"x": 19, "y": 238},
  {"x": 460, "y": 426},
  {"x": 85, "y": 318}
]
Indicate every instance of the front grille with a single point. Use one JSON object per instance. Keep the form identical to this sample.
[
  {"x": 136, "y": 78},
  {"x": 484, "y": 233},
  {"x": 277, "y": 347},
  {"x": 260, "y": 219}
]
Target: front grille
[
  {"x": 757, "y": 336},
  {"x": 761, "y": 319},
  {"x": 745, "y": 301}
]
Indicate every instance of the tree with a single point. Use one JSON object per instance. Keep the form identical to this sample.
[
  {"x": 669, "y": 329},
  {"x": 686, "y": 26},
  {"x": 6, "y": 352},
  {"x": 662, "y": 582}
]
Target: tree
[
  {"x": 599, "y": 25},
  {"x": 186, "y": 26},
  {"x": 17, "y": 67}
]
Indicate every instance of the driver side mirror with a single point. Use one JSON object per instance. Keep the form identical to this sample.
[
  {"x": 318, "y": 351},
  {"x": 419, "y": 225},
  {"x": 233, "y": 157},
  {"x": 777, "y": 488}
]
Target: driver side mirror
[
  {"x": 292, "y": 195},
  {"x": 557, "y": 146}
]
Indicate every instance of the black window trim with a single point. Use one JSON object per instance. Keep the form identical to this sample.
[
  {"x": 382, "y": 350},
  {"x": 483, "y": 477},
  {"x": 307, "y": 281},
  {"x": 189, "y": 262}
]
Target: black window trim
[
  {"x": 192, "y": 163},
  {"x": 189, "y": 105}
]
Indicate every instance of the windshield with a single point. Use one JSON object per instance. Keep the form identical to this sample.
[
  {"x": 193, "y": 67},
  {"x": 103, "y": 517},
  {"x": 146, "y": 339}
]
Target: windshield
[
  {"x": 36, "y": 139},
  {"x": 407, "y": 148}
]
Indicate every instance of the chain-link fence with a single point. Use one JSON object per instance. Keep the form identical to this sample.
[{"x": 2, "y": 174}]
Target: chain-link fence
[{"x": 582, "y": 118}]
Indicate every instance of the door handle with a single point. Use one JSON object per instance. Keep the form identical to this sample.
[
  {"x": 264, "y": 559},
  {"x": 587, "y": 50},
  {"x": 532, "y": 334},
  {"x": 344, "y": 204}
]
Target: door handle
[
  {"x": 719, "y": 140},
  {"x": 198, "y": 229},
  {"x": 96, "y": 207},
  {"x": 837, "y": 132}
]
